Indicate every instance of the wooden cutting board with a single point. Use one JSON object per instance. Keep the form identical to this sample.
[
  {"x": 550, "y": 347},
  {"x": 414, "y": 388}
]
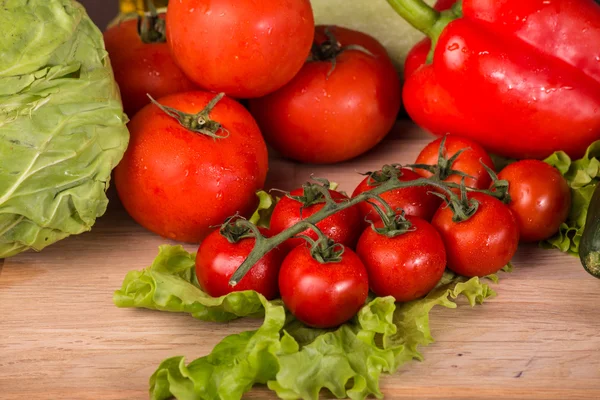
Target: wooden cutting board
[{"x": 61, "y": 337}]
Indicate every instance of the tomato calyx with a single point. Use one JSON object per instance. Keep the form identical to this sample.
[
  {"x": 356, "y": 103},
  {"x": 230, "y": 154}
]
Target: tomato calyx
[
  {"x": 236, "y": 228},
  {"x": 324, "y": 250},
  {"x": 330, "y": 49},
  {"x": 443, "y": 169},
  {"x": 386, "y": 173},
  {"x": 394, "y": 223},
  {"x": 499, "y": 187},
  {"x": 152, "y": 28},
  {"x": 199, "y": 123},
  {"x": 314, "y": 193},
  {"x": 462, "y": 207}
]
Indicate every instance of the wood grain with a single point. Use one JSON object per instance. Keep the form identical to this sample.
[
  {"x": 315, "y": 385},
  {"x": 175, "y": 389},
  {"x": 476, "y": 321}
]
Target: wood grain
[{"x": 61, "y": 337}]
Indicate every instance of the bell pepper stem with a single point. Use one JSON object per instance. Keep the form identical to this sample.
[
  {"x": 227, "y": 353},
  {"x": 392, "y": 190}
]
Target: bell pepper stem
[{"x": 417, "y": 13}]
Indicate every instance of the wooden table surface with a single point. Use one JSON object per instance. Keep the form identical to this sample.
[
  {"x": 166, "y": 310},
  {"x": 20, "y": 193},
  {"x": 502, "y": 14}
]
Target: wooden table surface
[{"x": 61, "y": 337}]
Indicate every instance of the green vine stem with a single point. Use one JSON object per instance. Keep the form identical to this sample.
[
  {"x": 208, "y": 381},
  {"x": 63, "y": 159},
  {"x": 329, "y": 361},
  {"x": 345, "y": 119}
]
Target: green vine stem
[{"x": 264, "y": 245}]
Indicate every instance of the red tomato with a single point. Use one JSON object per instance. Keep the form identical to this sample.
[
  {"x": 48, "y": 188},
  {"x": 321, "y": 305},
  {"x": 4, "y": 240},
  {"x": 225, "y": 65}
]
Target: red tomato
[
  {"x": 179, "y": 183},
  {"x": 243, "y": 48},
  {"x": 414, "y": 201},
  {"x": 469, "y": 161},
  {"x": 540, "y": 198},
  {"x": 323, "y": 295},
  {"x": 407, "y": 266},
  {"x": 218, "y": 259},
  {"x": 343, "y": 227},
  {"x": 327, "y": 115},
  {"x": 484, "y": 243},
  {"x": 141, "y": 68}
]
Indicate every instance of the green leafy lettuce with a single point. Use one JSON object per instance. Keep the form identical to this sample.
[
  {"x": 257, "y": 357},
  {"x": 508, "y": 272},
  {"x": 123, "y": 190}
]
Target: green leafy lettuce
[
  {"x": 62, "y": 127},
  {"x": 295, "y": 361},
  {"x": 583, "y": 175}
]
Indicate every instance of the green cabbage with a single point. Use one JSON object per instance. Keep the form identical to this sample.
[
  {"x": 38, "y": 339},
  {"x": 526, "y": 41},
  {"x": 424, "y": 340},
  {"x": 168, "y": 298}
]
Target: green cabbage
[{"x": 62, "y": 126}]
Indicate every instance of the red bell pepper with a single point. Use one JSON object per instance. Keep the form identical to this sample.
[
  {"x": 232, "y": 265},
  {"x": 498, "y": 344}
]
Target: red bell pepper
[{"x": 520, "y": 77}]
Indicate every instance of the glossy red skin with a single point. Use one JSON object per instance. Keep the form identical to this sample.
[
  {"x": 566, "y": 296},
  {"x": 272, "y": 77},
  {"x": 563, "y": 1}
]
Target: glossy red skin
[
  {"x": 323, "y": 295},
  {"x": 142, "y": 68},
  {"x": 217, "y": 260},
  {"x": 484, "y": 243},
  {"x": 416, "y": 201},
  {"x": 540, "y": 198},
  {"x": 324, "y": 120},
  {"x": 407, "y": 266},
  {"x": 469, "y": 161},
  {"x": 243, "y": 48},
  {"x": 504, "y": 75},
  {"x": 178, "y": 183},
  {"x": 343, "y": 227}
]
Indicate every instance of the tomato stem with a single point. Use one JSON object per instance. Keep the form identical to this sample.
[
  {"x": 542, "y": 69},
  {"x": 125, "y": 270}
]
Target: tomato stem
[
  {"x": 199, "y": 123},
  {"x": 151, "y": 27},
  {"x": 330, "y": 49}
]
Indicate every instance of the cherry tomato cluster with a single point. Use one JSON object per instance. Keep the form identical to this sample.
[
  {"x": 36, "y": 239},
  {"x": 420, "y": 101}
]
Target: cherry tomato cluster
[
  {"x": 316, "y": 94},
  {"x": 459, "y": 214}
]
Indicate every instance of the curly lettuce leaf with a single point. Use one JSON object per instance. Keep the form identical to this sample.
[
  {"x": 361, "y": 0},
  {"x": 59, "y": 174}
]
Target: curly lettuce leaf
[
  {"x": 170, "y": 284},
  {"x": 266, "y": 204},
  {"x": 582, "y": 175},
  {"x": 236, "y": 364},
  {"x": 294, "y": 360}
]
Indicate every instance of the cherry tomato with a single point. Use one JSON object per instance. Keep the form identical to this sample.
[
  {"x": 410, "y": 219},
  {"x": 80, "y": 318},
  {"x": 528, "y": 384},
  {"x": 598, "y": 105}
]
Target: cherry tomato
[
  {"x": 416, "y": 201},
  {"x": 482, "y": 244},
  {"x": 243, "y": 48},
  {"x": 328, "y": 113},
  {"x": 142, "y": 68},
  {"x": 218, "y": 259},
  {"x": 540, "y": 198},
  {"x": 469, "y": 161},
  {"x": 323, "y": 295},
  {"x": 343, "y": 227},
  {"x": 179, "y": 183},
  {"x": 407, "y": 266}
]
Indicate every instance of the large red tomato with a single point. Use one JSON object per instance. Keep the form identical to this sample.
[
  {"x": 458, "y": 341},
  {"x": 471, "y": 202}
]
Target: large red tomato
[
  {"x": 339, "y": 105},
  {"x": 243, "y": 48},
  {"x": 178, "y": 183},
  {"x": 482, "y": 244},
  {"x": 142, "y": 68},
  {"x": 406, "y": 266},
  {"x": 323, "y": 295},
  {"x": 540, "y": 198}
]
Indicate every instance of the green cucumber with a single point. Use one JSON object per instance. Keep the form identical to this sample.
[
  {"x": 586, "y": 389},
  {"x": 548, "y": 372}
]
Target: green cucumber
[{"x": 589, "y": 246}]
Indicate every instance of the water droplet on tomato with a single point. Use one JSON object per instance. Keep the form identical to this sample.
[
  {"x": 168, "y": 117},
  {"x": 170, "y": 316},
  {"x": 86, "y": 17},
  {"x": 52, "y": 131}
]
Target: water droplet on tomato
[
  {"x": 567, "y": 88},
  {"x": 453, "y": 46}
]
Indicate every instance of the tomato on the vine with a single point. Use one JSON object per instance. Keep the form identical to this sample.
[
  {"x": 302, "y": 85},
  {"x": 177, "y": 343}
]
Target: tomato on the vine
[
  {"x": 323, "y": 295},
  {"x": 341, "y": 104},
  {"x": 243, "y": 48},
  {"x": 179, "y": 182},
  {"x": 540, "y": 198},
  {"x": 142, "y": 68},
  {"x": 468, "y": 162},
  {"x": 407, "y": 266},
  {"x": 218, "y": 259},
  {"x": 416, "y": 200},
  {"x": 343, "y": 227},
  {"x": 482, "y": 244}
]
